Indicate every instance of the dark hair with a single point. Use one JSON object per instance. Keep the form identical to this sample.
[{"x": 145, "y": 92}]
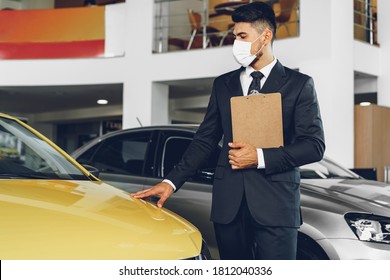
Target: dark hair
[{"x": 256, "y": 11}]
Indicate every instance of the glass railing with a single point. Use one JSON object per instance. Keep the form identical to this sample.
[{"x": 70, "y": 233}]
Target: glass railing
[
  {"x": 365, "y": 21},
  {"x": 197, "y": 24}
]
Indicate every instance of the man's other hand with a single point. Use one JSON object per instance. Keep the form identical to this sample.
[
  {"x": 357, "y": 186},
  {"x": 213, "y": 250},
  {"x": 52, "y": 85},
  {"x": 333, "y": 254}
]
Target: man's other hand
[
  {"x": 242, "y": 155},
  {"x": 163, "y": 190}
]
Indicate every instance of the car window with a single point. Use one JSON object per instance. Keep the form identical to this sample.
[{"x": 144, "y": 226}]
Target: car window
[
  {"x": 24, "y": 154},
  {"x": 85, "y": 158},
  {"x": 173, "y": 151},
  {"x": 325, "y": 169},
  {"x": 122, "y": 154}
]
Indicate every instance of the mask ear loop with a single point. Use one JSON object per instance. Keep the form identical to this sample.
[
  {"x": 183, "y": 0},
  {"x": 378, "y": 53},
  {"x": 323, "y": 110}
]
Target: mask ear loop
[
  {"x": 261, "y": 46},
  {"x": 260, "y": 50}
]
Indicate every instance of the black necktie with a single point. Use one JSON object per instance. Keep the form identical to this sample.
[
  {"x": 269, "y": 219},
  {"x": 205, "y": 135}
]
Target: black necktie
[{"x": 255, "y": 85}]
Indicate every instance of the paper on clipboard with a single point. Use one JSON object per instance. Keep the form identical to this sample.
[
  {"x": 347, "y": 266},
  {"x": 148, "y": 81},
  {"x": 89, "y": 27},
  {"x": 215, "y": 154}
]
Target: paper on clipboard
[{"x": 257, "y": 120}]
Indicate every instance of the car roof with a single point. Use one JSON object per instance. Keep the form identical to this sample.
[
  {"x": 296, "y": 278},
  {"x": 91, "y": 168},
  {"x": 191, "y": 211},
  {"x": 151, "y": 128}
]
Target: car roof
[
  {"x": 180, "y": 127},
  {"x": 7, "y": 116}
]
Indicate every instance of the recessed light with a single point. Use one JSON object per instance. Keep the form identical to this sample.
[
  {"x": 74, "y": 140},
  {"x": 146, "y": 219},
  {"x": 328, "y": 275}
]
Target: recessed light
[
  {"x": 102, "y": 101},
  {"x": 365, "y": 103}
]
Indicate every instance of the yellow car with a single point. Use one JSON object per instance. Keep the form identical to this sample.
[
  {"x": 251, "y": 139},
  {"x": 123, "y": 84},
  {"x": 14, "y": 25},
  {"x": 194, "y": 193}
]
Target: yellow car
[{"x": 53, "y": 208}]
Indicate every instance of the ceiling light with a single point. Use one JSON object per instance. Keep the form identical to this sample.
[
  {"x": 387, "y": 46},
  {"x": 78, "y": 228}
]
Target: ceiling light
[
  {"x": 102, "y": 101},
  {"x": 365, "y": 103}
]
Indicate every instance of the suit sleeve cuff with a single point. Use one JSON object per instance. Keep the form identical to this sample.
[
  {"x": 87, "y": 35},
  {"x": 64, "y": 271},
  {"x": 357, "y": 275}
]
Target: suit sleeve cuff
[
  {"x": 260, "y": 159},
  {"x": 170, "y": 183}
]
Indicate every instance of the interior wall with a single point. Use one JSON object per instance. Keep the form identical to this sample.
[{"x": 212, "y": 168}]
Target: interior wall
[
  {"x": 8, "y": 4},
  {"x": 27, "y": 4},
  {"x": 372, "y": 137},
  {"x": 37, "y": 4},
  {"x": 365, "y": 85}
]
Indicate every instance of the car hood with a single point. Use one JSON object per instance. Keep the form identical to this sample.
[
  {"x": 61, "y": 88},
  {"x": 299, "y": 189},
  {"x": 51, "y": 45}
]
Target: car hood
[
  {"x": 346, "y": 195},
  {"x": 41, "y": 219}
]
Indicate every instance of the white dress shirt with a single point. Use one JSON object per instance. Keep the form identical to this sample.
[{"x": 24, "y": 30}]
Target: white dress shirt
[{"x": 246, "y": 80}]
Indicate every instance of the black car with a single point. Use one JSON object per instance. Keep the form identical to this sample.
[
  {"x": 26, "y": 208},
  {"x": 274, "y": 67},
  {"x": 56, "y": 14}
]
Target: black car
[{"x": 344, "y": 215}]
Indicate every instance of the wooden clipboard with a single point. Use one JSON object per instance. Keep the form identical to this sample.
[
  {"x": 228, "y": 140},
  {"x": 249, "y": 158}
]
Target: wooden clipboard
[{"x": 257, "y": 120}]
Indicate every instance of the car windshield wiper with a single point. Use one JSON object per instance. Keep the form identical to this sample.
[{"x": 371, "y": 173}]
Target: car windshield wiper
[{"x": 24, "y": 176}]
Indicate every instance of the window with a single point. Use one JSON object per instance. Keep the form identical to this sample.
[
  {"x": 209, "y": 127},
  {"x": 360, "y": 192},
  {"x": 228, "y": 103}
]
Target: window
[
  {"x": 173, "y": 151},
  {"x": 123, "y": 154},
  {"x": 24, "y": 155},
  {"x": 187, "y": 25}
]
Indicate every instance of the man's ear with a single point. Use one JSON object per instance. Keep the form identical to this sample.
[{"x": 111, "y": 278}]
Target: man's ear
[{"x": 268, "y": 35}]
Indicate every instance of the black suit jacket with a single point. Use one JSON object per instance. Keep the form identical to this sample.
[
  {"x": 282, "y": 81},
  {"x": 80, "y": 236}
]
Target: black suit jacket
[{"x": 272, "y": 193}]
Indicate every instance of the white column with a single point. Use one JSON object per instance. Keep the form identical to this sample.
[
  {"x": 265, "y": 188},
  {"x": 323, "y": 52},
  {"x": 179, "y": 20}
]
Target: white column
[
  {"x": 160, "y": 103},
  {"x": 137, "y": 90},
  {"x": 384, "y": 42},
  {"x": 324, "y": 51},
  {"x": 340, "y": 129}
]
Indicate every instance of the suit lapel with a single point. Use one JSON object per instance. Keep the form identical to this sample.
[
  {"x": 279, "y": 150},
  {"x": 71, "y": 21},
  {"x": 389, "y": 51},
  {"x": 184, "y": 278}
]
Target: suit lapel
[
  {"x": 276, "y": 79},
  {"x": 234, "y": 83}
]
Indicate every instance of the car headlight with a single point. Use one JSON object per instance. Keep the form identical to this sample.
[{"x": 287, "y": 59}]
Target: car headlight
[{"x": 369, "y": 227}]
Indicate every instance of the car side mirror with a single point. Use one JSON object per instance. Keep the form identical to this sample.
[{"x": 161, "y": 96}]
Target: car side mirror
[{"x": 92, "y": 169}]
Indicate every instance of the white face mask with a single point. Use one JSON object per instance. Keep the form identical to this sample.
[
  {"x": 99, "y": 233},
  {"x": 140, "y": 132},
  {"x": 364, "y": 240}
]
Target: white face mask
[{"x": 242, "y": 51}]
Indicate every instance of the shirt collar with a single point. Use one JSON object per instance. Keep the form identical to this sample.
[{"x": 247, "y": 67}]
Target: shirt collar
[{"x": 266, "y": 70}]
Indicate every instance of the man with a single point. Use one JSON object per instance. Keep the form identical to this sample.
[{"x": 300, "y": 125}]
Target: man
[{"x": 256, "y": 199}]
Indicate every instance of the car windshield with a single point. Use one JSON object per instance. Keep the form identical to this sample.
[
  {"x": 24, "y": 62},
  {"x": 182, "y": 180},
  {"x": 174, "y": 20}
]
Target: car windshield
[
  {"x": 326, "y": 169},
  {"x": 23, "y": 155}
]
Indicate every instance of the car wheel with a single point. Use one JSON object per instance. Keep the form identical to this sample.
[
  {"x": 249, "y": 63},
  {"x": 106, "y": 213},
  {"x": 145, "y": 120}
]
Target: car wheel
[{"x": 308, "y": 249}]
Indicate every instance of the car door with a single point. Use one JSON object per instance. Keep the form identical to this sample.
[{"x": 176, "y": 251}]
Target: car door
[
  {"x": 122, "y": 159},
  {"x": 193, "y": 200}
]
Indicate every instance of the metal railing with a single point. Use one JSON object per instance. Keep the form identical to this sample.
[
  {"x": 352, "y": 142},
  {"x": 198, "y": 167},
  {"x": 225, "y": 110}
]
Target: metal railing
[
  {"x": 365, "y": 21},
  {"x": 210, "y": 27}
]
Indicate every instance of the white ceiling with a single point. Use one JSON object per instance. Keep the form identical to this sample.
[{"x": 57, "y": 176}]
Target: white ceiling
[
  {"x": 185, "y": 96},
  {"x": 24, "y": 100},
  {"x": 29, "y": 100}
]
